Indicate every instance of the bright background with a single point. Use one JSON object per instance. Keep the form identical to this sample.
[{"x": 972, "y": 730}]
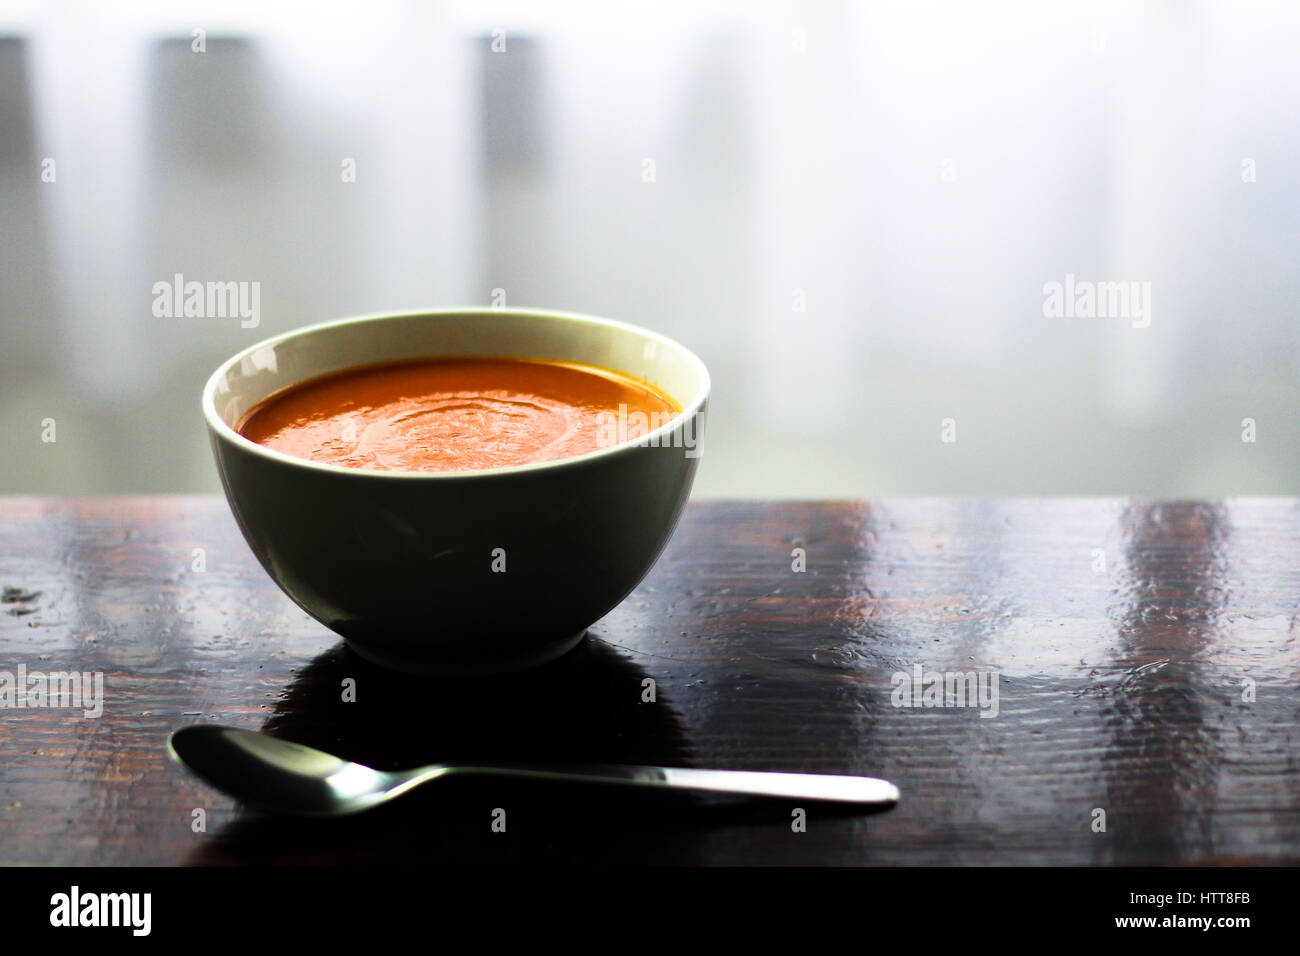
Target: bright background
[{"x": 913, "y": 173}]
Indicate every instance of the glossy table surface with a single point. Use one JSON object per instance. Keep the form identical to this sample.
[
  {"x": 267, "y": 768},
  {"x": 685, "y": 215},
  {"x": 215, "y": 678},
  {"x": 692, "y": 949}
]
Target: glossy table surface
[{"x": 1144, "y": 654}]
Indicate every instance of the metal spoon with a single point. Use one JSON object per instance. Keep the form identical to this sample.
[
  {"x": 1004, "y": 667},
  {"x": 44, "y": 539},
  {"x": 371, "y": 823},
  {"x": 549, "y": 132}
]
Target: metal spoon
[{"x": 285, "y": 777}]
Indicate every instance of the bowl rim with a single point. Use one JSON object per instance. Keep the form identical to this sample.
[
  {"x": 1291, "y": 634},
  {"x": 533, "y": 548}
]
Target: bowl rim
[{"x": 226, "y": 433}]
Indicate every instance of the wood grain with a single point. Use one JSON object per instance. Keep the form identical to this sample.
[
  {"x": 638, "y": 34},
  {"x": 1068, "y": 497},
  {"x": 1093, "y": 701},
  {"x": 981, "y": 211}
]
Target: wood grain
[{"x": 1146, "y": 653}]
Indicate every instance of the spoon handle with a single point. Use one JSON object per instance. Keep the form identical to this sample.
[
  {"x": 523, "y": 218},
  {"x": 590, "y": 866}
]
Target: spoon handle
[{"x": 794, "y": 786}]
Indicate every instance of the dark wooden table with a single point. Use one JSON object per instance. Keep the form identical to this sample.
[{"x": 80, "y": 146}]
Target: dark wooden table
[{"x": 1146, "y": 656}]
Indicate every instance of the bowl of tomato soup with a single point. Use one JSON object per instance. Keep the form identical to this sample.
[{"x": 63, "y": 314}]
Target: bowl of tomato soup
[{"x": 459, "y": 491}]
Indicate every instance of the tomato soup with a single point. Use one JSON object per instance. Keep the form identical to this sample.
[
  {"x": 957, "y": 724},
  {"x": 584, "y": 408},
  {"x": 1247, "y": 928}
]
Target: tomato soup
[{"x": 456, "y": 414}]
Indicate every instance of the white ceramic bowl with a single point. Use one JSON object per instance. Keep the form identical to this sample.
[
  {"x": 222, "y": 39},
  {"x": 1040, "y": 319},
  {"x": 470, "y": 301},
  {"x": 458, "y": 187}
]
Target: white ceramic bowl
[{"x": 406, "y": 566}]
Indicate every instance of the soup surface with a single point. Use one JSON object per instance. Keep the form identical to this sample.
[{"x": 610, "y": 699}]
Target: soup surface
[{"x": 456, "y": 414}]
